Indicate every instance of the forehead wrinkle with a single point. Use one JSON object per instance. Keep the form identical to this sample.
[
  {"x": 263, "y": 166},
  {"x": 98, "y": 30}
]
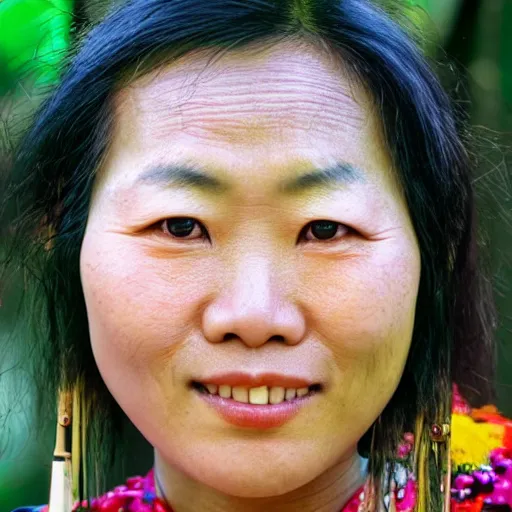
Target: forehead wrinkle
[
  {"x": 169, "y": 110},
  {"x": 276, "y": 105},
  {"x": 229, "y": 103}
]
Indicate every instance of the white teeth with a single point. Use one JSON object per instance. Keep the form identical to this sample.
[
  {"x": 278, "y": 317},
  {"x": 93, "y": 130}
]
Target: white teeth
[
  {"x": 212, "y": 388},
  {"x": 276, "y": 395},
  {"x": 259, "y": 396},
  {"x": 290, "y": 394},
  {"x": 241, "y": 394},
  {"x": 225, "y": 391},
  {"x": 302, "y": 391}
]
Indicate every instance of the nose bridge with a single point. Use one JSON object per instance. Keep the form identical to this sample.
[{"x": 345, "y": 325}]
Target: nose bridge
[
  {"x": 253, "y": 304},
  {"x": 255, "y": 277},
  {"x": 255, "y": 284}
]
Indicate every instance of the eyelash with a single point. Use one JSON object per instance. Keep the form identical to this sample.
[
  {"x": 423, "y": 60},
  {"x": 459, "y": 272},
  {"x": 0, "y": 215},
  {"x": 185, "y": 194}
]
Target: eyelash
[{"x": 163, "y": 227}]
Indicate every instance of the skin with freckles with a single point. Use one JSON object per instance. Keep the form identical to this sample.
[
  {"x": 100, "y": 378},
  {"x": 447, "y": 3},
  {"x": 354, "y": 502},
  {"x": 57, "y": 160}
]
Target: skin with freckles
[{"x": 251, "y": 287}]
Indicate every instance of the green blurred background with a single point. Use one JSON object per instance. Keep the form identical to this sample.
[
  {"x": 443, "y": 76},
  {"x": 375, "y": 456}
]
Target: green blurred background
[{"x": 476, "y": 35}]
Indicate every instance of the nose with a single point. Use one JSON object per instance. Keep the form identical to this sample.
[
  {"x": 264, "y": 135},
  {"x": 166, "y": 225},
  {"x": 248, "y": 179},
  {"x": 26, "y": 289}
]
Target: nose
[{"x": 252, "y": 307}]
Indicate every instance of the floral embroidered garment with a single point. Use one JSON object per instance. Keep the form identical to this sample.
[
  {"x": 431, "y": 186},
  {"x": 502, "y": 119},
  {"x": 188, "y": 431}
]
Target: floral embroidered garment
[{"x": 481, "y": 453}]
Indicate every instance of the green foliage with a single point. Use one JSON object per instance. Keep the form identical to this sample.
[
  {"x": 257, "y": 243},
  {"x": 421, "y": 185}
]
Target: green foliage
[
  {"x": 34, "y": 36},
  {"x": 506, "y": 48}
]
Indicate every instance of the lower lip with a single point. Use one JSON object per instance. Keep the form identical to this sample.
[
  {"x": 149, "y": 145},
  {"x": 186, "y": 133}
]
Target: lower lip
[{"x": 256, "y": 416}]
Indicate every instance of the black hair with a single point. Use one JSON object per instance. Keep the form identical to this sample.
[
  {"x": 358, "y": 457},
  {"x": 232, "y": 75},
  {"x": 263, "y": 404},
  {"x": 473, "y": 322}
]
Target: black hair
[{"x": 54, "y": 170}]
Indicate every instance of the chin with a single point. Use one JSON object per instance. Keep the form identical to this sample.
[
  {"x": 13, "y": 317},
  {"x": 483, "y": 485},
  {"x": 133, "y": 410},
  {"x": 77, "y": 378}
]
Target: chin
[{"x": 250, "y": 485}]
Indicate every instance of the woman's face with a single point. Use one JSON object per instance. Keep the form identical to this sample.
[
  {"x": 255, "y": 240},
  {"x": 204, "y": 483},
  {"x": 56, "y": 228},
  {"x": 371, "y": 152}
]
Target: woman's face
[{"x": 255, "y": 283}]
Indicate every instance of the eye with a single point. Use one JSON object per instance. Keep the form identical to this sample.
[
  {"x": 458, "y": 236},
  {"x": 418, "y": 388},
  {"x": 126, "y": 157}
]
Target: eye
[
  {"x": 184, "y": 227},
  {"x": 326, "y": 230}
]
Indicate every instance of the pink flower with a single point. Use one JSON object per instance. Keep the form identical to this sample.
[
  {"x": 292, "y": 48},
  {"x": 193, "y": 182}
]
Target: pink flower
[
  {"x": 409, "y": 437},
  {"x": 407, "y": 501},
  {"x": 403, "y": 450}
]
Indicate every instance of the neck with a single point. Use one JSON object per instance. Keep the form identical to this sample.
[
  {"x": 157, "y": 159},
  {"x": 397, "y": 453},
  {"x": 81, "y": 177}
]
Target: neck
[{"x": 328, "y": 492}]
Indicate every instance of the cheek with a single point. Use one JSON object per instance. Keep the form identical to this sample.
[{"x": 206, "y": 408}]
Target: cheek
[
  {"x": 140, "y": 311},
  {"x": 365, "y": 314}
]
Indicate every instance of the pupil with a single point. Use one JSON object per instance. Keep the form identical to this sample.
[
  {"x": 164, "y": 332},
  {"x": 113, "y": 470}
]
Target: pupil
[
  {"x": 180, "y": 227},
  {"x": 324, "y": 229}
]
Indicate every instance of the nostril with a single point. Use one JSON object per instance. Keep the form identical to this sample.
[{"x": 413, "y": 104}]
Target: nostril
[{"x": 229, "y": 336}]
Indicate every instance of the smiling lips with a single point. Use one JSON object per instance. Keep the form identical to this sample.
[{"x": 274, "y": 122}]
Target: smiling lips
[
  {"x": 267, "y": 388},
  {"x": 262, "y": 395},
  {"x": 262, "y": 401}
]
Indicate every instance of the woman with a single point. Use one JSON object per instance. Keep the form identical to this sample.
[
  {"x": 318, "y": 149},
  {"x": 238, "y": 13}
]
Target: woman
[{"x": 252, "y": 227}]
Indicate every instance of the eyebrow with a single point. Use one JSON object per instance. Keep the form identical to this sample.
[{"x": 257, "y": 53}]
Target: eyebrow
[{"x": 194, "y": 178}]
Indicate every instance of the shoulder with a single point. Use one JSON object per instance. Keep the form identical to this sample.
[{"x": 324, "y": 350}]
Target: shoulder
[{"x": 140, "y": 489}]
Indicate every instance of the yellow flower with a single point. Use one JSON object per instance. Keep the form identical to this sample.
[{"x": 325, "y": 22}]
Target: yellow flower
[{"x": 471, "y": 441}]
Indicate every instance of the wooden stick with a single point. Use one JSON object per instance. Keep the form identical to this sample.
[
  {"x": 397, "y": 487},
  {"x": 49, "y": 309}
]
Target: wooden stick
[
  {"x": 60, "y": 488},
  {"x": 64, "y": 420},
  {"x": 76, "y": 441},
  {"x": 448, "y": 478}
]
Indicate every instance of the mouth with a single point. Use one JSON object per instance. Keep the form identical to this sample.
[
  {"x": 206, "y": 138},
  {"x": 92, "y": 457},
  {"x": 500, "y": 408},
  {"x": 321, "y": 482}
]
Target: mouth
[
  {"x": 261, "y": 395},
  {"x": 257, "y": 408}
]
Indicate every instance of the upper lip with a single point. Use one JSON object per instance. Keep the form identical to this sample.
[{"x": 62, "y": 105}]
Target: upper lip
[{"x": 257, "y": 380}]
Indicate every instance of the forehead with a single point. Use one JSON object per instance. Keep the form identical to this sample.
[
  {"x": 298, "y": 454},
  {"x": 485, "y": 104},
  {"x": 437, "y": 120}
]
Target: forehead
[
  {"x": 285, "y": 105},
  {"x": 277, "y": 78}
]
